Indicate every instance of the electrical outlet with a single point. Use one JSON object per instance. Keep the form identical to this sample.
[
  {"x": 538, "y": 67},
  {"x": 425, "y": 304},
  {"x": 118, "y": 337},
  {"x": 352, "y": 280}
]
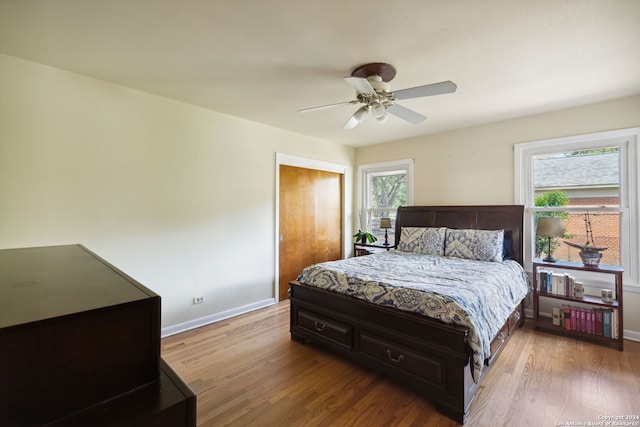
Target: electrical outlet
[{"x": 199, "y": 299}]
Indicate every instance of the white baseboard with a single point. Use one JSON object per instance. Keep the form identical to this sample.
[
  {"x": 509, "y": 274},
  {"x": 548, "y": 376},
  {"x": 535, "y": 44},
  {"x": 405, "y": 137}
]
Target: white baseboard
[
  {"x": 631, "y": 335},
  {"x": 202, "y": 321},
  {"x": 626, "y": 333}
]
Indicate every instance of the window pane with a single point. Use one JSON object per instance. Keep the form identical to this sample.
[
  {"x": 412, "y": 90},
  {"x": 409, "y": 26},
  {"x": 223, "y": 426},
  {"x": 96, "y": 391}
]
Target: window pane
[
  {"x": 599, "y": 229},
  {"x": 388, "y": 190},
  {"x": 588, "y": 178}
]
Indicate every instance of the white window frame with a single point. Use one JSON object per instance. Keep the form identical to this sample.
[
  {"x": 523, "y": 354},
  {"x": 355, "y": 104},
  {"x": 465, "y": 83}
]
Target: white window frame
[
  {"x": 627, "y": 140},
  {"x": 364, "y": 171}
]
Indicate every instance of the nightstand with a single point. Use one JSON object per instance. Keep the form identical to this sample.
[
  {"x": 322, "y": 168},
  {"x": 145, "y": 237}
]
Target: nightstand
[
  {"x": 360, "y": 249},
  {"x": 587, "y": 316}
]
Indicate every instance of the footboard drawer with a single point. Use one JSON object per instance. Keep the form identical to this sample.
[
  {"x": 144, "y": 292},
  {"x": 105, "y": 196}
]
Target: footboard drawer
[
  {"x": 327, "y": 328},
  {"x": 515, "y": 319},
  {"x": 499, "y": 340},
  {"x": 403, "y": 358}
]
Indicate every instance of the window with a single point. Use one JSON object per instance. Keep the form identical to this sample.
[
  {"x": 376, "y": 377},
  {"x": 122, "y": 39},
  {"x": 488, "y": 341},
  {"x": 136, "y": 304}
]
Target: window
[
  {"x": 591, "y": 182},
  {"x": 383, "y": 188}
]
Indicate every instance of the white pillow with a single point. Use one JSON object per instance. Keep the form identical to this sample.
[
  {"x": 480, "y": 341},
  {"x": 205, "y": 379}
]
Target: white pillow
[
  {"x": 422, "y": 240},
  {"x": 482, "y": 245}
]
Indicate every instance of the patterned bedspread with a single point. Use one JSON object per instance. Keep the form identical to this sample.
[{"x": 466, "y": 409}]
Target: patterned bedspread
[{"x": 477, "y": 294}]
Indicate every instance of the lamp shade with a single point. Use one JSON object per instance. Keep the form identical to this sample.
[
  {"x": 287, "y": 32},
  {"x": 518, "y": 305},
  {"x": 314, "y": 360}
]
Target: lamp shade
[
  {"x": 385, "y": 222},
  {"x": 550, "y": 227}
]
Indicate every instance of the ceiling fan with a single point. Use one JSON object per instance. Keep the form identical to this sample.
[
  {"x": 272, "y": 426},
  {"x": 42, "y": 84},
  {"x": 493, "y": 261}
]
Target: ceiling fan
[{"x": 371, "y": 82}]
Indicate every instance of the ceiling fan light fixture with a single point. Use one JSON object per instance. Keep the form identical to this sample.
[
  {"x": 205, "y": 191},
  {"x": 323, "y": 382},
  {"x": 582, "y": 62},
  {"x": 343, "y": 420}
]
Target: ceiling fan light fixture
[
  {"x": 378, "y": 110},
  {"x": 356, "y": 118},
  {"x": 383, "y": 118},
  {"x": 360, "y": 114}
]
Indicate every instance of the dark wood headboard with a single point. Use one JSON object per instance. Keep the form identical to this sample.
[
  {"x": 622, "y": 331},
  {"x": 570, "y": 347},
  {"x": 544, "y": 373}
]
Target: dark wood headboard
[{"x": 506, "y": 217}]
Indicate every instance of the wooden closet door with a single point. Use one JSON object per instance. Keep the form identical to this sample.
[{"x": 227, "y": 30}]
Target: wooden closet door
[{"x": 310, "y": 221}]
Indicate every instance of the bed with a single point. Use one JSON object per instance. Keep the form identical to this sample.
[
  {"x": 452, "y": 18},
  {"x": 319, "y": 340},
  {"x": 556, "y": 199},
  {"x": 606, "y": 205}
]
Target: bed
[{"x": 395, "y": 314}]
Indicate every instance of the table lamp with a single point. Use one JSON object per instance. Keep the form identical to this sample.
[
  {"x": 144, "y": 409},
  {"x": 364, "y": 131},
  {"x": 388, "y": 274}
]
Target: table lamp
[
  {"x": 550, "y": 227},
  {"x": 386, "y": 224}
]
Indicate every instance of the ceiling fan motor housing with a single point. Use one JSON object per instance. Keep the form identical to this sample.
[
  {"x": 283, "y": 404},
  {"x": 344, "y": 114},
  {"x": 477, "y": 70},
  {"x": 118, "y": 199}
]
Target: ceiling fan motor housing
[{"x": 378, "y": 84}]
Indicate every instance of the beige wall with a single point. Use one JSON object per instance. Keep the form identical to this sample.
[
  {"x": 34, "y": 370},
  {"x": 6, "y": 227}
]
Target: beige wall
[
  {"x": 476, "y": 166},
  {"x": 179, "y": 197}
]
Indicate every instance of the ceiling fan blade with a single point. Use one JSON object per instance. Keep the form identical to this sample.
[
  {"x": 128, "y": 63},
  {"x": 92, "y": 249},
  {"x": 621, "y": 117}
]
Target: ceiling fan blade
[
  {"x": 322, "y": 107},
  {"x": 361, "y": 85},
  {"x": 356, "y": 119},
  {"x": 426, "y": 90},
  {"x": 406, "y": 114}
]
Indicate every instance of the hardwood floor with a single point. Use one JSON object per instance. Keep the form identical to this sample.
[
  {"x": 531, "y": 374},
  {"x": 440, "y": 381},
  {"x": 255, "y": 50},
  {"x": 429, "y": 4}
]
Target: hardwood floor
[{"x": 247, "y": 372}]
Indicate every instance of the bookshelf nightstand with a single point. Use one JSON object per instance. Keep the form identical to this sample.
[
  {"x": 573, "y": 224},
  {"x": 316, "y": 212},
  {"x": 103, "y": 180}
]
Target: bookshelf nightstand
[{"x": 587, "y": 317}]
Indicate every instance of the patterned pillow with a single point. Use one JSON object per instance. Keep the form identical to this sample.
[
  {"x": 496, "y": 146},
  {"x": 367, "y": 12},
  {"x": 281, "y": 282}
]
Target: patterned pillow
[
  {"x": 422, "y": 240},
  {"x": 482, "y": 245}
]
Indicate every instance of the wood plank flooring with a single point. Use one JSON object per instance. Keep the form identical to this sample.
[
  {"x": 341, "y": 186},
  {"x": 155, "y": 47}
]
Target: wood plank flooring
[{"x": 247, "y": 372}]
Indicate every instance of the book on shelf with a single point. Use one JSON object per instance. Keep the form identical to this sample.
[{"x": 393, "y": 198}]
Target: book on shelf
[
  {"x": 606, "y": 324},
  {"x": 566, "y": 313},
  {"x": 592, "y": 321},
  {"x": 598, "y": 322},
  {"x": 555, "y": 316},
  {"x": 555, "y": 283}
]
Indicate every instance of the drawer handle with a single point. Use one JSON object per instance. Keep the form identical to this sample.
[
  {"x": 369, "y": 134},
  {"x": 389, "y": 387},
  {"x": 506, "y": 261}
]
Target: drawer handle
[
  {"x": 517, "y": 315},
  {"x": 502, "y": 337},
  {"x": 398, "y": 360},
  {"x": 320, "y": 326}
]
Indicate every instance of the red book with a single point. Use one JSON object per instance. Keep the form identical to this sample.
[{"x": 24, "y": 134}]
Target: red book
[
  {"x": 598, "y": 315},
  {"x": 574, "y": 319},
  {"x": 589, "y": 321},
  {"x": 567, "y": 316},
  {"x": 583, "y": 321}
]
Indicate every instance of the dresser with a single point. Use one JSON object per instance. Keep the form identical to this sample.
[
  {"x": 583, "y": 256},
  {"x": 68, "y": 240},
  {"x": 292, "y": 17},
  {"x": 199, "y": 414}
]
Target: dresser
[{"x": 80, "y": 345}]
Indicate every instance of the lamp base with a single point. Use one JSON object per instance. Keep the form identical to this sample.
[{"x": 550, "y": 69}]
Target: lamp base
[{"x": 549, "y": 258}]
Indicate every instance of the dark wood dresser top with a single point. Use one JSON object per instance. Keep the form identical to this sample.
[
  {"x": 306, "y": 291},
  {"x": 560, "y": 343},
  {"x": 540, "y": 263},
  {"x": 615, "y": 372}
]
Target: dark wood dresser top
[{"x": 48, "y": 282}]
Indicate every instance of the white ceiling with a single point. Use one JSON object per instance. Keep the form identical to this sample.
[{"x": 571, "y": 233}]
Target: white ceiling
[{"x": 265, "y": 59}]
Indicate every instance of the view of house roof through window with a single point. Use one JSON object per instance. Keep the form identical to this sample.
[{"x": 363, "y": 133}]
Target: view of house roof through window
[{"x": 577, "y": 171}]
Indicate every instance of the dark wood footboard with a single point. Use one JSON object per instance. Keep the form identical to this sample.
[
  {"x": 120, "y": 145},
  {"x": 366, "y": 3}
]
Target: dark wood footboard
[{"x": 424, "y": 354}]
